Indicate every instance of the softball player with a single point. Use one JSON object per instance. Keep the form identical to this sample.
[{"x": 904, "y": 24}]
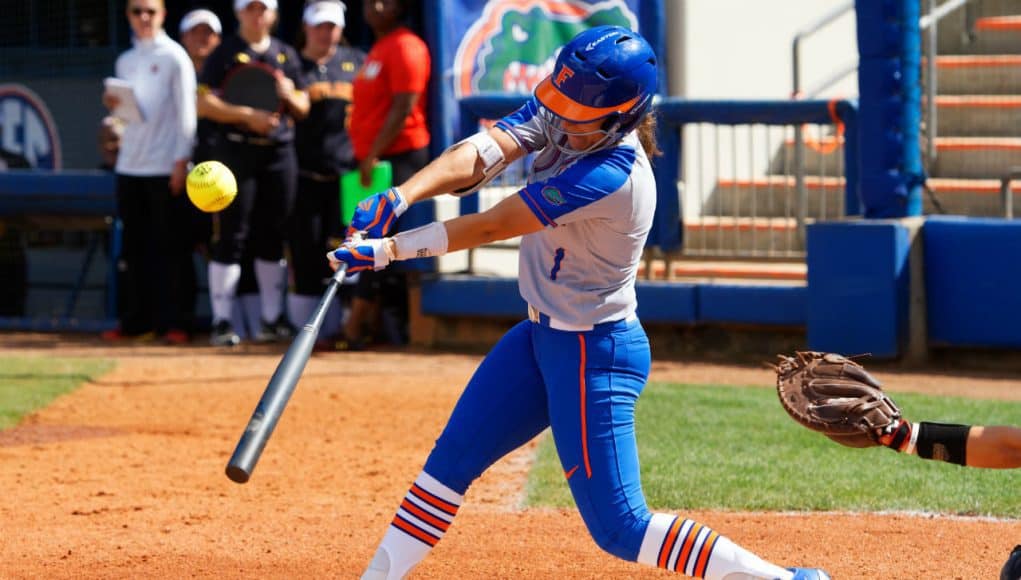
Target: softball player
[
  {"x": 259, "y": 147},
  {"x": 324, "y": 152},
  {"x": 580, "y": 361}
]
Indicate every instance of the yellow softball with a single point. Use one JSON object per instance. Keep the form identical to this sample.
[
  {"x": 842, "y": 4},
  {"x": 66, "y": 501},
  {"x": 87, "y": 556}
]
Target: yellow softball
[{"x": 211, "y": 186}]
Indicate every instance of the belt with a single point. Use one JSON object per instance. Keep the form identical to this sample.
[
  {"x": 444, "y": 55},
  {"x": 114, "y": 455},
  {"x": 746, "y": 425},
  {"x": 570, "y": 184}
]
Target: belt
[
  {"x": 240, "y": 138},
  {"x": 320, "y": 177},
  {"x": 555, "y": 323}
]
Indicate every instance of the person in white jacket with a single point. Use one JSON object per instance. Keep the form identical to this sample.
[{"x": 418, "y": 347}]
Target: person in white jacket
[{"x": 155, "y": 262}]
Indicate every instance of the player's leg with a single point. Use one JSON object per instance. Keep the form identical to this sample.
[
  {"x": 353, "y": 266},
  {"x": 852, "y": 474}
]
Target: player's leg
[
  {"x": 503, "y": 407},
  {"x": 132, "y": 207},
  {"x": 274, "y": 208},
  {"x": 595, "y": 379},
  {"x": 231, "y": 232},
  {"x": 307, "y": 241}
]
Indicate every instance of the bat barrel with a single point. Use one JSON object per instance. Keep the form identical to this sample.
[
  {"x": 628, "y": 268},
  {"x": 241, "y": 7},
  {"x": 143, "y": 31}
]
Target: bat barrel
[{"x": 278, "y": 391}]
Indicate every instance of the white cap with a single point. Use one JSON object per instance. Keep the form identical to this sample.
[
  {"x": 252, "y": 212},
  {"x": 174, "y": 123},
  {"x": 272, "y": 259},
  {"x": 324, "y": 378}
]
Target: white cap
[
  {"x": 240, "y": 5},
  {"x": 325, "y": 11},
  {"x": 200, "y": 16}
]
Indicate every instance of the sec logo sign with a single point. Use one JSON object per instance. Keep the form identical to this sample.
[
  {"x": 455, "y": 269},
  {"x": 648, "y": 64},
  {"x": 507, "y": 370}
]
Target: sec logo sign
[{"x": 28, "y": 135}]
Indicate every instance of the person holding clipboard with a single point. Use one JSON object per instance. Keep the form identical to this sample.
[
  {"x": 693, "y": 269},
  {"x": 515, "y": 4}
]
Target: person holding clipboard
[
  {"x": 251, "y": 86},
  {"x": 153, "y": 94}
]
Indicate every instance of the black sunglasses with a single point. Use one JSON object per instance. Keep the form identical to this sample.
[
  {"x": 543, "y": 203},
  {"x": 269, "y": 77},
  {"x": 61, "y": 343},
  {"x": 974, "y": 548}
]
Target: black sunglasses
[{"x": 141, "y": 11}]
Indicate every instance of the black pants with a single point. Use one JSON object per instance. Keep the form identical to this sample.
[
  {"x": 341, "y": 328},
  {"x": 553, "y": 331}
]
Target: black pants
[
  {"x": 316, "y": 220},
  {"x": 256, "y": 222},
  {"x": 158, "y": 276}
]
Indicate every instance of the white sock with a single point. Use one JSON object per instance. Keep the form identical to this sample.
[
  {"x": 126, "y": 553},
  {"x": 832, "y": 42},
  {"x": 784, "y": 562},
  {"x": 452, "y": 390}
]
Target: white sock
[
  {"x": 245, "y": 315},
  {"x": 272, "y": 278},
  {"x": 420, "y": 522},
  {"x": 691, "y": 548},
  {"x": 223, "y": 283},
  {"x": 300, "y": 308}
]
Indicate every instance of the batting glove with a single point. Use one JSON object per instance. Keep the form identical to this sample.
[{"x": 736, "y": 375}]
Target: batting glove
[
  {"x": 377, "y": 213},
  {"x": 360, "y": 254}
]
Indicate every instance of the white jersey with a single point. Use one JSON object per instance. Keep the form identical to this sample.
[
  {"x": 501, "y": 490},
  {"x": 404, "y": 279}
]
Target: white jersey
[
  {"x": 597, "y": 209},
  {"x": 163, "y": 79}
]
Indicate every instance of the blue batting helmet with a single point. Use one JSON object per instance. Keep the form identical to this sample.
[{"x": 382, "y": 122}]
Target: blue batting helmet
[{"x": 606, "y": 72}]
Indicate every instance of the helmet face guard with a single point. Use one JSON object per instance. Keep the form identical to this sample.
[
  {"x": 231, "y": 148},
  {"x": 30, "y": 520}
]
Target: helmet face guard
[{"x": 605, "y": 73}]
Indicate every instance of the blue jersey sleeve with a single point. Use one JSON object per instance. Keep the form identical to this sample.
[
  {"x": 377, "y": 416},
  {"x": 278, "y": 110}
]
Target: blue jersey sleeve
[{"x": 591, "y": 178}]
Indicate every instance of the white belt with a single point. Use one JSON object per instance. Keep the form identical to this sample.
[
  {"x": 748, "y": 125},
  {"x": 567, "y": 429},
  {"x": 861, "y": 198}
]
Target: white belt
[{"x": 539, "y": 318}]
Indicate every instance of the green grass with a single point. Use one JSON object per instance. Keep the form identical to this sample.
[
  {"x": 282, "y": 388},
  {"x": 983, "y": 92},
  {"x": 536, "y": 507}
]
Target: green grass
[
  {"x": 27, "y": 384},
  {"x": 735, "y": 449}
]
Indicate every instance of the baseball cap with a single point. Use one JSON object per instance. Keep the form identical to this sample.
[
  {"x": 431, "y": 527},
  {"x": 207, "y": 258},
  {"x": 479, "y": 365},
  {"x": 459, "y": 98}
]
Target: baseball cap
[
  {"x": 200, "y": 16},
  {"x": 240, "y": 5},
  {"x": 326, "y": 11}
]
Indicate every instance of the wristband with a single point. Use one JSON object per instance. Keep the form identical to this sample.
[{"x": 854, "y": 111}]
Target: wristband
[
  {"x": 397, "y": 201},
  {"x": 424, "y": 242}
]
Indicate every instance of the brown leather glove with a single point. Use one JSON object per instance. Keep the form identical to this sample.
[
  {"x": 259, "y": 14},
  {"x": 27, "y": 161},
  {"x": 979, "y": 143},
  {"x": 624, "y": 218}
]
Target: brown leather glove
[{"x": 835, "y": 396}]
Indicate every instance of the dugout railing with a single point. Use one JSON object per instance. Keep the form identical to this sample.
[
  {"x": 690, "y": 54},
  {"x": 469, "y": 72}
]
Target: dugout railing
[{"x": 728, "y": 184}]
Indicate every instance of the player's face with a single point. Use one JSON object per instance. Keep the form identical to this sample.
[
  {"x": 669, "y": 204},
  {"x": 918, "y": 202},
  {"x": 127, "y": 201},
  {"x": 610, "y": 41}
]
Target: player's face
[
  {"x": 256, "y": 20},
  {"x": 200, "y": 41},
  {"x": 322, "y": 37},
  {"x": 583, "y": 136},
  {"x": 146, "y": 17}
]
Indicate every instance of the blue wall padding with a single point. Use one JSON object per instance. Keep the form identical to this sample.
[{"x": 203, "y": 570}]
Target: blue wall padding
[
  {"x": 471, "y": 296},
  {"x": 658, "y": 302},
  {"x": 670, "y": 302},
  {"x": 858, "y": 282},
  {"x": 747, "y": 304},
  {"x": 973, "y": 281},
  {"x": 26, "y": 192},
  {"x": 890, "y": 167}
]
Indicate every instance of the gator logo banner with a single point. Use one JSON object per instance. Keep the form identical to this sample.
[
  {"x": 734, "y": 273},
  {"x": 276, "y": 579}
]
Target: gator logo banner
[
  {"x": 28, "y": 135},
  {"x": 511, "y": 45}
]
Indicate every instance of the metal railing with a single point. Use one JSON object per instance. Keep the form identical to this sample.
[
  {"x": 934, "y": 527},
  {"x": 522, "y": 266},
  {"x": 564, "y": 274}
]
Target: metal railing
[{"x": 930, "y": 24}]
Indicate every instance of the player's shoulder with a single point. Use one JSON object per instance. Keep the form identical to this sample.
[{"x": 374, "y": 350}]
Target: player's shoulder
[
  {"x": 408, "y": 40},
  {"x": 349, "y": 54},
  {"x": 286, "y": 52}
]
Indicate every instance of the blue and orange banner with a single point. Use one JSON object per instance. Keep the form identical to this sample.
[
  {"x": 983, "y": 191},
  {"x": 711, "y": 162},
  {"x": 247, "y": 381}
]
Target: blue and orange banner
[{"x": 510, "y": 45}]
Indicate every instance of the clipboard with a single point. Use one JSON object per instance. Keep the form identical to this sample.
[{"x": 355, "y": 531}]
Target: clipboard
[{"x": 128, "y": 109}]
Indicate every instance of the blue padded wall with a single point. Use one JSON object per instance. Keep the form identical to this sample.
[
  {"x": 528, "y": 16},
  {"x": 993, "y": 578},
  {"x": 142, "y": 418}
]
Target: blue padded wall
[
  {"x": 858, "y": 282},
  {"x": 973, "y": 281},
  {"x": 889, "y": 114}
]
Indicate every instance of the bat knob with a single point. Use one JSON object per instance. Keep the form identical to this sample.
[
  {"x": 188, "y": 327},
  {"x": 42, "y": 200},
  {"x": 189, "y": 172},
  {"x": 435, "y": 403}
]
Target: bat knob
[{"x": 237, "y": 475}]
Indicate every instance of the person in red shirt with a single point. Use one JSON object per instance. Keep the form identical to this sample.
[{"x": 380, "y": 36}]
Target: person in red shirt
[{"x": 388, "y": 123}]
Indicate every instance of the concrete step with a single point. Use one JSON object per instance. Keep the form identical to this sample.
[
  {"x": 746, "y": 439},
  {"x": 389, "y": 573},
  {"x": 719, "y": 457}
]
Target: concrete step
[
  {"x": 992, "y": 35},
  {"x": 742, "y": 236},
  {"x": 775, "y": 197},
  {"x": 979, "y": 115},
  {"x": 976, "y": 157},
  {"x": 969, "y": 74},
  {"x": 729, "y": 272}
]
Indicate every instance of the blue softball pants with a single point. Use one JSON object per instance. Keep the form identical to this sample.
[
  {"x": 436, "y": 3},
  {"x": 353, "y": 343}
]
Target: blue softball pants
[{"x": 584, "y": 385}]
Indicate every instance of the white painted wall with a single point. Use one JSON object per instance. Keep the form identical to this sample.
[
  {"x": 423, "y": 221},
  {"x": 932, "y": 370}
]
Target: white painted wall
[{"x": 742, "y": 48}]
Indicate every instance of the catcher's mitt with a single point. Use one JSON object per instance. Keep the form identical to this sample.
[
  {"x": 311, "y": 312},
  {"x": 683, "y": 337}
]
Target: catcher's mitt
[{"x": 835, "y": 396}]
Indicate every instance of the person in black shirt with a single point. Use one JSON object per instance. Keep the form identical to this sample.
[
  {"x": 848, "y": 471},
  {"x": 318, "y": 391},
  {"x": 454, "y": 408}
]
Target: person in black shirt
[
  {"x": 258, "y": 146},
  {"x": 324, "y": 153}
]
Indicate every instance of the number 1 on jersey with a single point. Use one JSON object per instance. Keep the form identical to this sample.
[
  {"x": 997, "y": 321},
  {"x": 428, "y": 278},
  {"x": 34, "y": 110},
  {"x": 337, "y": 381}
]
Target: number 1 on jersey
[{"x": 558, "y": 257}]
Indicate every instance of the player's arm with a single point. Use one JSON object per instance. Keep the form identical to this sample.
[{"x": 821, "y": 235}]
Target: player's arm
[
  {"x": 997, "y": 447},
  {"x": 211, "y": 106},
  {"x": 463, "y": 166}
]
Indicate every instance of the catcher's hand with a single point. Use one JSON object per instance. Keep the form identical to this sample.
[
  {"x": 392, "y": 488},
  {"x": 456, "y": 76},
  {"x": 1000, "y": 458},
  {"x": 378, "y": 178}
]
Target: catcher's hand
[{"x": 835, "y": 396}]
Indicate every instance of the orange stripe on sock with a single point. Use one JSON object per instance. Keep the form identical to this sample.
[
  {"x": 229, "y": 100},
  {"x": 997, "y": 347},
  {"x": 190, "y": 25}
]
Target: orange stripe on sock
[
  {"x": 434, "y": 501},
  {"x": 424, "y": 515},
  {"x": 703, "y": 557},
  {"x": 689, "y": 542},
  {"x": 584, "y": 426},
  {"x": 415, "y": 532},
  {"x": 668, "y": 543}
]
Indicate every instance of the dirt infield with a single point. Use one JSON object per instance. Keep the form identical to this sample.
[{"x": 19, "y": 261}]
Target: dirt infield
[{"x": 124, "y": 479}]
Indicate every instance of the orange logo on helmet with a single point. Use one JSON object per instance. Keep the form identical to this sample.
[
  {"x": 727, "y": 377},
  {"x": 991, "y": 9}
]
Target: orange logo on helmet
[{"x": 564, "y": 74}]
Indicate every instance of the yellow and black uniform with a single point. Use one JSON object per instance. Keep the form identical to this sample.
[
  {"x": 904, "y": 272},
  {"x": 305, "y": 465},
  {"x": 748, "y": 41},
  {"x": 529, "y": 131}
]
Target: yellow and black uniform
[
  {"x": 324, "y": 153},
  {"x": 266, "y": 169}
]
